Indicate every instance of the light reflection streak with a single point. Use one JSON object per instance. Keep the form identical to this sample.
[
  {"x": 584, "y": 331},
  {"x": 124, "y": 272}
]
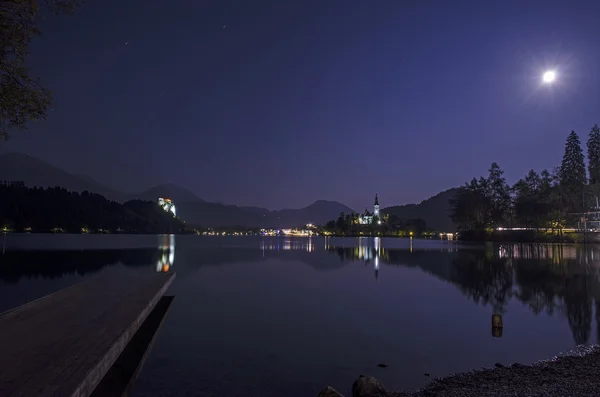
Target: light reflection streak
[
  {"x": 167, "y": 257},
  {"x": 288, "y": 244}
]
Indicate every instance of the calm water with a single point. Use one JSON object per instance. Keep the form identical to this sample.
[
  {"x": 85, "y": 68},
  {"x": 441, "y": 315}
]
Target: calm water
[{"x": 277, "y": 316}]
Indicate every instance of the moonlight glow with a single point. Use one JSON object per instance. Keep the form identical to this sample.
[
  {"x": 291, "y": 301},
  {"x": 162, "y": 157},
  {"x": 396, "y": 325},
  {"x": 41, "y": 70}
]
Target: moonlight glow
[{"x": 549, "y": 76}]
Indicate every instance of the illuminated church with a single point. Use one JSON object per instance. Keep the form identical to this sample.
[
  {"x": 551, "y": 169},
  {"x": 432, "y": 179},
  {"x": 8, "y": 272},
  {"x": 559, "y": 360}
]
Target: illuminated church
[{"x": 366, "y": 218}]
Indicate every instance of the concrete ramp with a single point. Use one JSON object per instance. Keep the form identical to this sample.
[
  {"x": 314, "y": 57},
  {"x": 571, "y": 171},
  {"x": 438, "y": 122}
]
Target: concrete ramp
[{"x": 63, "y": 344}]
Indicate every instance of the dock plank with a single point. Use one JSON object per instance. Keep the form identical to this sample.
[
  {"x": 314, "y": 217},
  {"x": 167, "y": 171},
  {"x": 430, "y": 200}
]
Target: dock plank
[{"x": 63, "y": 344}]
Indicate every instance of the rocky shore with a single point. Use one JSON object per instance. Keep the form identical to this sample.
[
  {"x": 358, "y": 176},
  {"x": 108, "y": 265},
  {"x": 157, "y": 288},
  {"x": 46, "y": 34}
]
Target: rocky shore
[{"x": 575, "y": 374}]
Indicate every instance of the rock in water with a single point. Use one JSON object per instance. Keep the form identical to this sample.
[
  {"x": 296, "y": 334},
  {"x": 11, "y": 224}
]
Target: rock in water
[
  {"x": 367, "y": 386},
  {"x": 330, "y": 392},
  {"x": 382, "y": 365}
]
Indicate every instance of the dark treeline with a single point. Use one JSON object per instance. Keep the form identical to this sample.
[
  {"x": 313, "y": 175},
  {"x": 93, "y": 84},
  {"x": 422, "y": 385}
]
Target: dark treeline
[
  {"x": 58, "y": 210},
  {"x": 387, "y": 225},
  {"x": 548, "y": 200}
]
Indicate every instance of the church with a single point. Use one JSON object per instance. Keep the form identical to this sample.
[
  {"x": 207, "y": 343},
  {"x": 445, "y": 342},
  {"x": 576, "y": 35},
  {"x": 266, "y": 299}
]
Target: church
[{"x": 366, "y": 218}]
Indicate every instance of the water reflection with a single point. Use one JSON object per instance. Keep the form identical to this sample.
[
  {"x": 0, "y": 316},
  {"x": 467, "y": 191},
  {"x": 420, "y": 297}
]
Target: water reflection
[
  {"x": 53, "y": 264},
  {"x": 584, "y": 255},
  {"x": 377, "y": 252},
  {"x": 15, "y": 265},
  {"x": 548, "y": 279},
  {"x": 288, "y": 244},
  {"x": 562, "y": 280},
  {"x": 167, "y": 254}
]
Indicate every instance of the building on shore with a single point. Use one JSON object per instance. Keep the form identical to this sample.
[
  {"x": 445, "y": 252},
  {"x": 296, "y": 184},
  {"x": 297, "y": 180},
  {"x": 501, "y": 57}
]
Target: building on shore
[{"x": 366, "y": 218}]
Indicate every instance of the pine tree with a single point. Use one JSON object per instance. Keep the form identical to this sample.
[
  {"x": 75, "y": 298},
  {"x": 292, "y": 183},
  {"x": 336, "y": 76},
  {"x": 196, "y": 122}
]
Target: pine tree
[
  {"x": 593, "y": 152},
  {"x": 573, "y": 177},
  {"x": 470, "y": 208},
  {"x": 499, "y": 195},
  {"x": 527, "y": 206}
]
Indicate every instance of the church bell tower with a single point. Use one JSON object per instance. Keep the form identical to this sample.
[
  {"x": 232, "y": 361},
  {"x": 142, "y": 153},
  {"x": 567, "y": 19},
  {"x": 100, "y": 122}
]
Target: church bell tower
[{"x": 376, "y": 206}]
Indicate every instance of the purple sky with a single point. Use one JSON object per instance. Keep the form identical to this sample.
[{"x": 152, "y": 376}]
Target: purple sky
[{"x": 290, "y": 103}]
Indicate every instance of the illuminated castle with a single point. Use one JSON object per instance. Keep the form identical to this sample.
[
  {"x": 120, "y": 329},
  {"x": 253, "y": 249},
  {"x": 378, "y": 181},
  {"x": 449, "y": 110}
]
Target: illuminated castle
[
  {"x": 167, "y": 205},
  {"x": 366, "y": 218}
]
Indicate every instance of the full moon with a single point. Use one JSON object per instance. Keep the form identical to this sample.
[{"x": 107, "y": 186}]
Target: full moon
[{"x": 549, "y": 76}]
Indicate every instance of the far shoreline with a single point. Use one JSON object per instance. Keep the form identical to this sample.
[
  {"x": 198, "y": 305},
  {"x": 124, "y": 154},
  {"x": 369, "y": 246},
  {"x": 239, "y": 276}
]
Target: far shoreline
[{"x": 508, "y": 238}]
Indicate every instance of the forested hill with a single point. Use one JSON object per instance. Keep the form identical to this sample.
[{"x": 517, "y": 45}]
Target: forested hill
[
  {"x": 56, "y": 209},
  {"x": 435, "y": 211},
  {"x": 34, "y": 172}
]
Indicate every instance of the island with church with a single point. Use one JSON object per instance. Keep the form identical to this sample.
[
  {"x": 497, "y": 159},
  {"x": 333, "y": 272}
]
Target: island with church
[{"x": 375, "y": 223}]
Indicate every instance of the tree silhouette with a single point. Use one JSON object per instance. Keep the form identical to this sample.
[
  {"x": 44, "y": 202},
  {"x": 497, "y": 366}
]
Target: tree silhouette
[
  {"x": 593, "y": 152},
  {"x": 573, "y": 178},
  {"x": 499, "y": 195},
  {"x": 22, "y": 98},
  {"x": 537, "y": 201}
]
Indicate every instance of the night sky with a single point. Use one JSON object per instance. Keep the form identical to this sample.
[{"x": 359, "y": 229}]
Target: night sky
[{"x": 280, "y": 103}]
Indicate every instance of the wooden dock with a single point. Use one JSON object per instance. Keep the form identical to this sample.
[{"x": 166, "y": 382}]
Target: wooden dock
[{"x": 63, "y": 344}]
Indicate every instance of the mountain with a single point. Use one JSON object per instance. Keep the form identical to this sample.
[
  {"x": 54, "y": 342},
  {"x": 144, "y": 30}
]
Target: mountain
[
  {"x": 190, "y": 207},
  {"x": 219, "y": 215},
  {"x": 435, "y": 211},
  {"x": 35, "y": 172},
  {"x": 168, "y": 190},
  {"x": 319, "y": 213},
  {"x": 257, "y": 210}
]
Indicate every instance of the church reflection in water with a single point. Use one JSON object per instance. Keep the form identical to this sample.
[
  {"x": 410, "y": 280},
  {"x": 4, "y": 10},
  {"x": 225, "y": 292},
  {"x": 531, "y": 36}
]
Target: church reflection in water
[
  {"x": 368, "y": 249},
  {"x": 166, "y": 245},
  {"x": 551, "y": 279},
  {"x": 562, "y": 280}
]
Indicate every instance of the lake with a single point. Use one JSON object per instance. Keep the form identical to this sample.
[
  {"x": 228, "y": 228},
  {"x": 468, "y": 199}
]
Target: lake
[{"x": 256, "y": 316}]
